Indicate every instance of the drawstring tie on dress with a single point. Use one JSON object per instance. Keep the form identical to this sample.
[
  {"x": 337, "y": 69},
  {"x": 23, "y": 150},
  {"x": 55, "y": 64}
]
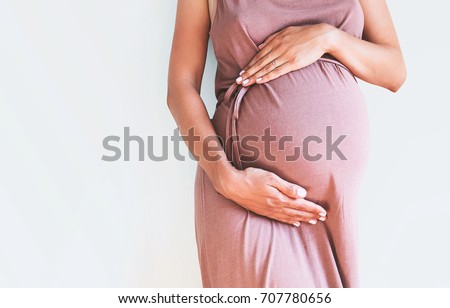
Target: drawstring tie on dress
[{"x": 234, "y": 95}]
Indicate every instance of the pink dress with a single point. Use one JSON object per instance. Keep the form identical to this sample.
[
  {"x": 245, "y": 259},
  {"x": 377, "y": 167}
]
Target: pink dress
[{"x": 321, "y": 103}]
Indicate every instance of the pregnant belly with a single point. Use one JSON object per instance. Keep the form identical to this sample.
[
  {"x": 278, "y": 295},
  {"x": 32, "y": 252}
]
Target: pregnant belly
[{"x": 308, "y": 126}]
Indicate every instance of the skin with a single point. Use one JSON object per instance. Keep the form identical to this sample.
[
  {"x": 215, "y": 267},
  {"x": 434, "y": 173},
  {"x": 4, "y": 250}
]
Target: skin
[{"x": 376, "y": 59}]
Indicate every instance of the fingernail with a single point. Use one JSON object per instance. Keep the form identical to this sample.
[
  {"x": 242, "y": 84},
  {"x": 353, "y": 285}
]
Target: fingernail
[
  {"x": 245, "y": 81},
  {"x": 297, "y": 224},
  {"x": 323, "y": 214},
  {"x": 242, "y": 72},
  {"x": 322, "y": 218},
  {"x": 301, "y": 192},
  {"x": 259, "y": 46},
  {"x": 239, "y": 79},
  {"x": 313, "y": 221},
  {"x": 258, "y": 79}
]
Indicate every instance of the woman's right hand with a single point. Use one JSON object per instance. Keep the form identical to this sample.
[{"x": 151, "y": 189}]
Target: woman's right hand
[{"x": 267, "y": 194}]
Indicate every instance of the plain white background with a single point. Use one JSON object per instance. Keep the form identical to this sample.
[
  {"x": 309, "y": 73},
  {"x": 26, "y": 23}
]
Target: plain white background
[{"x": 73, "y": 72}]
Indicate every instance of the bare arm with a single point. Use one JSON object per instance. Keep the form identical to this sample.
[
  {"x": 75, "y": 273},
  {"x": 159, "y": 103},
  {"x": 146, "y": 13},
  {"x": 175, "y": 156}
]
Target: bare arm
[
  {"x": 377, "y": 58},
  {"x": 255, "y": 189},
  {"x": 187, "y": 63}
]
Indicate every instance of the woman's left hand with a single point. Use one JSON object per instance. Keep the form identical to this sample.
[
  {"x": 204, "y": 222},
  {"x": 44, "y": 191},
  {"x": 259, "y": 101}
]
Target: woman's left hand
[{"x": 290, "y": 49}]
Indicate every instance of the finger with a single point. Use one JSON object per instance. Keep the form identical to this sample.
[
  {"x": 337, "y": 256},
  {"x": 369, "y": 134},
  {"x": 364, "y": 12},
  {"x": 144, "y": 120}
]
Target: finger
[
  {"x": 301, "y": 216},
  {"x": 286, "y": 218},
  {"x": 259, "y": 63},
  {"x": 281, "y": 70},
  {"x": 313, "y": 210},
  {"x": 295, "y": 218},
  {"x": 287, "y": 188},
  {"x": 261, "y": 54},
  {"x": 307, "y": 206},
  {"x": 264, "y": 70},
  {"x": 269, "y": 39}
]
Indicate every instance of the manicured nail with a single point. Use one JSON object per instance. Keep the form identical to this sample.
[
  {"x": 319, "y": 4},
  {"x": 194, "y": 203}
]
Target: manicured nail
[
  {"x": 323, "y": 214},
  {"x": 239, "y": 79},
  {"x": 258, "y": 79},
  {"x": 245, "y": 81},
  {"x": 322, "y": 218},
  {"x": 297, "y": 224},
  {"x": 313, "y": 221},
  {"x": 242, "y": 72},
  {"x": 301, "y": 192}
]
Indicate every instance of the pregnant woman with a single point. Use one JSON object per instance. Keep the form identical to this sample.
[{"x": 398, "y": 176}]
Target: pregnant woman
[{"x": 280, "y": 162}]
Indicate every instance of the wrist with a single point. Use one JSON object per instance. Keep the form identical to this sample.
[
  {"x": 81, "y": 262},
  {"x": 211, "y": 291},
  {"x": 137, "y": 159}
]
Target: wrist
[
  {"x": 223, "y": 177},
  {"x": 330, "y": 38}
]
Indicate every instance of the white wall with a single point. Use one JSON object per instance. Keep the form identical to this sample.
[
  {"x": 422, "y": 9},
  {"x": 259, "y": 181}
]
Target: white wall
[{"x": 73, "y": 72}]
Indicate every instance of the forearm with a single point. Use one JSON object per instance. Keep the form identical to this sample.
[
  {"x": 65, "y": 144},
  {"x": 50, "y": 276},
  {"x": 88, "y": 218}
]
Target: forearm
[
  {"x": 377, "y": 64},
  {"x": 192, "y": 118}
]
